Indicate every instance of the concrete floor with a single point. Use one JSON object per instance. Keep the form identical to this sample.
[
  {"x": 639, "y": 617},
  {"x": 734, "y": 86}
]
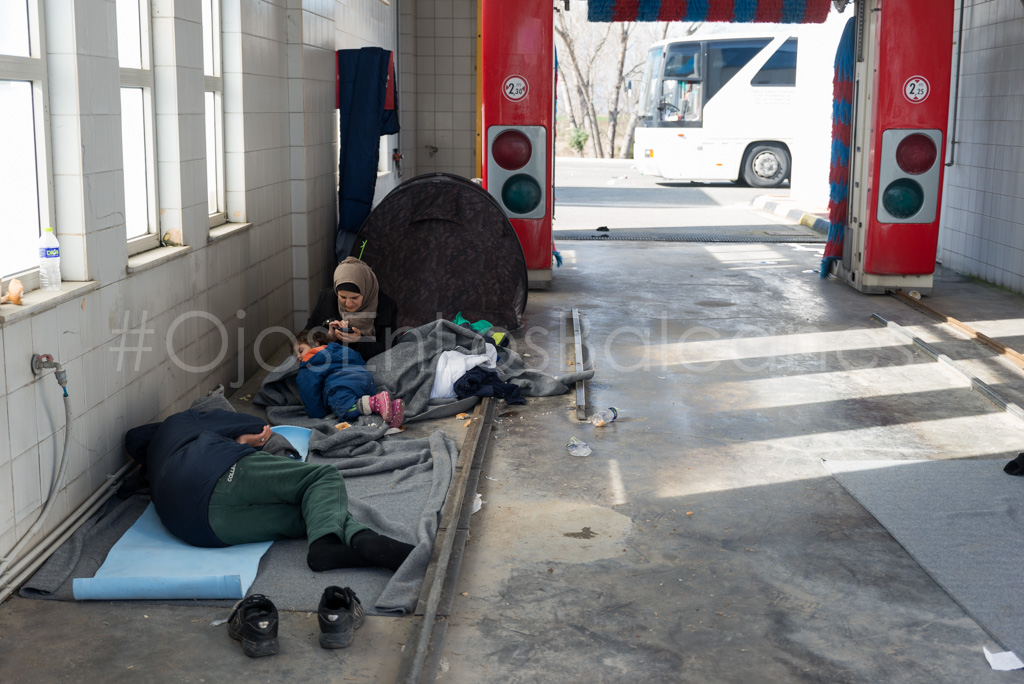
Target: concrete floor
[{"x": 702, "y": 541}]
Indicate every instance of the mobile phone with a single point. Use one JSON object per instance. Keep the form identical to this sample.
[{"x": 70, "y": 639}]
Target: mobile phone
[{"x": 344, "y": 329}]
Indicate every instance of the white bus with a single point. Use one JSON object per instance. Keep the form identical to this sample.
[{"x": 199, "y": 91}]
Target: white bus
[{"x": 725, "y": 107}]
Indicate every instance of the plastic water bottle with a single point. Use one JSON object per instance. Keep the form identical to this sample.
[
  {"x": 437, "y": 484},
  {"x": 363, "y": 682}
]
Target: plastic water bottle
[
  {"x": 49, "y": 261},
  {"x": 578, "y": 447},
  {"x": 602, "y": 418}
]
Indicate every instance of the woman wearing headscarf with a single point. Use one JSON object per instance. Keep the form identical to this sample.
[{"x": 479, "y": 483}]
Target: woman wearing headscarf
[{"x": 355, "y": 311}]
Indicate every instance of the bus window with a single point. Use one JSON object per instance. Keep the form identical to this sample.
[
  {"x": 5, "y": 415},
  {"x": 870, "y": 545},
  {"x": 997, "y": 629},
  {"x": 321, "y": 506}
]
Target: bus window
[
  {"x": 780, "y": 69},
  {"x": 681, "y": 88},
  {"x": 727, "y": 57},
  {"x": 647, "y": 106},
  {"x": 680, "y": 100},
  {"x": 682, "y": 61}
]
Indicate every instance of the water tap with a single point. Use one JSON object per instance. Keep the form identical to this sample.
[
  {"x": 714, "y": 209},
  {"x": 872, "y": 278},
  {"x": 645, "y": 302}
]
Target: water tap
[{"x": 41, "y": 362}]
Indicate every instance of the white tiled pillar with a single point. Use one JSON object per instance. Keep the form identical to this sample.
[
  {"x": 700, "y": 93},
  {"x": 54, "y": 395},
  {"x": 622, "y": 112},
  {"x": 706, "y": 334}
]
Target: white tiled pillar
[
  {"x": 234, "y": 122},
  {"x": 180, "y": 121},
  {"x": 446, "y": 87},
  {"x": 85, "y": 124},
  {"x": 982, "y": 231}
]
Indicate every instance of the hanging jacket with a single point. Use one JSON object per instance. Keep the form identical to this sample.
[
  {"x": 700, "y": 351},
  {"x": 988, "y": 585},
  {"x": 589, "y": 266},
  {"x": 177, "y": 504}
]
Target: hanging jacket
[{"x": 367, "y": 108}]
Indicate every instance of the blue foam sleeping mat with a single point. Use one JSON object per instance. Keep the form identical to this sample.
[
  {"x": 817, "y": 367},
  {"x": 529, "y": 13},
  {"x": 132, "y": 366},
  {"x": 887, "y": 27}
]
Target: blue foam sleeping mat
[{"x": 148, "y": 562}]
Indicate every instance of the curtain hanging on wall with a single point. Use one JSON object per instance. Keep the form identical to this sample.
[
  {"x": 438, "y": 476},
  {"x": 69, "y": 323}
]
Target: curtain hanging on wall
[{"x": 739, "y": 11}]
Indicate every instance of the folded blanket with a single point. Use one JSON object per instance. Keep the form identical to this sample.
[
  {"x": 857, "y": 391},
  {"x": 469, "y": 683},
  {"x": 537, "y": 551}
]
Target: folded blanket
[{"x": 407, "y": 370}]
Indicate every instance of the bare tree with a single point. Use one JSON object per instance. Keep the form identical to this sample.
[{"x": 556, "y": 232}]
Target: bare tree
[
  {"x": 582, "y": 49},
  {"x": 593, "y": 74},
  {"x": 625, "y": 28}
]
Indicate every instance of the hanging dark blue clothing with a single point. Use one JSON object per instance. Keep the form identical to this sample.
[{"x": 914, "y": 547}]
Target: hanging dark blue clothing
[
  {"x": 368, "y": 109},
  {"x": 478, "y": 382}
]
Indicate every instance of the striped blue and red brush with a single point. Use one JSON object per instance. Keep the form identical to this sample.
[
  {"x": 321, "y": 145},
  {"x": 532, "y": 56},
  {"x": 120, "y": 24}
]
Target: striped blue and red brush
[
  {"x": 839, "y": 167},
  {"x": 739, "y": 11}
]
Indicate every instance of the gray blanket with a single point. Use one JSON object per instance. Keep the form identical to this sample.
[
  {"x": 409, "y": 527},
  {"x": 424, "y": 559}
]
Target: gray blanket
[
  {"x": 395, "y": 486},
  {"x": 407, "y": 371}
]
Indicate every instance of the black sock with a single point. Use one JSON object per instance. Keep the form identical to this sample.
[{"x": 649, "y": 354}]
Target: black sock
[
  {"x": 380, "y": 550},
  {"x": 329, "y": 553}
]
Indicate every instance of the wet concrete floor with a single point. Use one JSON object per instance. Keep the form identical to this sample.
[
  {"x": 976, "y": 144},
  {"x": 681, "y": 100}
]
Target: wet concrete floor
[{"x": 702, "y": 541}]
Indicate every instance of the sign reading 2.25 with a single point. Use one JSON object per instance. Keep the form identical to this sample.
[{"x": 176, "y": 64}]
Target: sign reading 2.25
[
  {"x": 916, "y": 89},
  {"x": 515, "y": 88}
]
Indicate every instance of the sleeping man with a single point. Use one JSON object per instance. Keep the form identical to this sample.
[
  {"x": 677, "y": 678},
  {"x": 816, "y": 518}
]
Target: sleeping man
[{"x": 213, "y": 486}]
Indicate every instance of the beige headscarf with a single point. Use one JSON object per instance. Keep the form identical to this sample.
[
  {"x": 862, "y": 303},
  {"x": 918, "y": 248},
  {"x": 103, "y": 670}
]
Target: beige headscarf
[{"x": 354, "y": 271}]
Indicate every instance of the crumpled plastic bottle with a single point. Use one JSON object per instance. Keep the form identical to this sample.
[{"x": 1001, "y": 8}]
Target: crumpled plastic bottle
[
  {"x": 578, "y": 447},
  {"x": 602, "y": 418}
]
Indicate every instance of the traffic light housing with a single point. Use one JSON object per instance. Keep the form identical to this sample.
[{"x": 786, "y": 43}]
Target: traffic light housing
[
  {"x": 517, "y": 169},
  {"x": 909, "y": 175}
]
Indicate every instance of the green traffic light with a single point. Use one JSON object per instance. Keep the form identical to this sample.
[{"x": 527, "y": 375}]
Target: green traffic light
[
  {"x": 903, "y": 198},
  {"x": 521, "y": 194}
]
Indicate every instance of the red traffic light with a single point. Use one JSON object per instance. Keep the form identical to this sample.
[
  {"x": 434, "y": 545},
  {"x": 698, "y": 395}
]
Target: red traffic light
[
  {"x": 511, "y": 150},
  {"x": 916, "y": 154}
]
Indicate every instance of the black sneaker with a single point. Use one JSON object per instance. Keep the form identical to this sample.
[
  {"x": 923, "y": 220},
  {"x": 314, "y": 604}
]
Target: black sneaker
[
  {"x": 253, "y": 621},
  {"x": 340, "y": 613}
]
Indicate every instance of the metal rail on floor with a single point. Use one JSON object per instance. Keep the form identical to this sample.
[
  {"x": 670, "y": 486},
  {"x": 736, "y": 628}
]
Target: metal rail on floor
[
  {"x": 581, "y": 389},
  {"x": 1010, "y": 354},
  {"x": 976, "y": 383},
  {"x": 422, "y": 655}
]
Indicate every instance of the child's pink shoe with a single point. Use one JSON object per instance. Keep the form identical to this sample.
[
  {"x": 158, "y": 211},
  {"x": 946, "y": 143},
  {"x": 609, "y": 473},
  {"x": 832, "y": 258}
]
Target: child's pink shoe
[
  {"x": 397, "y": 413},
  {"x": 379, "y": 403}
]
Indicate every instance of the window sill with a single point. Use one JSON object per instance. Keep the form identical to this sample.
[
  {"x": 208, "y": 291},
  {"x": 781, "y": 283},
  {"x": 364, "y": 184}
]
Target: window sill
[
  {"x": 37, "y": 301},
  {"x": 154, "y": 257},
  {"x": 226, "y": 230}
]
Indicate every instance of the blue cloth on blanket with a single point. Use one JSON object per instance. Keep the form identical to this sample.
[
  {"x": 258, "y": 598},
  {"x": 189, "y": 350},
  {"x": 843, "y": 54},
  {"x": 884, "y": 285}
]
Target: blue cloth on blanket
[
  {"x": 478, "y": 382},
  {"x": 149, "y": 562}
]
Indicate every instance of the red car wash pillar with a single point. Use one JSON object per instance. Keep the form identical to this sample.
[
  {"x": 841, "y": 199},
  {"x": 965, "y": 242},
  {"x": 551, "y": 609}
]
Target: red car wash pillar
[{"x": 517, "y": 114}]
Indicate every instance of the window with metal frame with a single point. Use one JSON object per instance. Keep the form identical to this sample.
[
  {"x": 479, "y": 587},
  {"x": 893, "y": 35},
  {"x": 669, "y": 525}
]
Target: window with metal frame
[
  {"x": 25, "y": 174},
  {"x": 138, "y": 139}
]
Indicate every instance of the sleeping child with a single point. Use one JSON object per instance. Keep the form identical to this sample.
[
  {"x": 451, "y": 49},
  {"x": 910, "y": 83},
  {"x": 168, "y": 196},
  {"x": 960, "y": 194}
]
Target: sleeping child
[{"x": 333, "y": 378}]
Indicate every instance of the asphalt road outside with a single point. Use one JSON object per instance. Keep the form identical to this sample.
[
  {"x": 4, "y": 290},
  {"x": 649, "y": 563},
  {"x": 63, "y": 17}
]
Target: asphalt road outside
[{"x": 612, "y": 193}]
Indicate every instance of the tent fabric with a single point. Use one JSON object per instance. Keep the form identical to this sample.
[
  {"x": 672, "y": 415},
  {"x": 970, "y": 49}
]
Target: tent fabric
[
  {"x": 439, "y": 245},
  {"x": 367, "y": 109},
  {"x": 738, "y": 11}
]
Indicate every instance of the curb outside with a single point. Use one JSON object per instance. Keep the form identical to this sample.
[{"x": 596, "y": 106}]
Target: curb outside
[{"x": 786, "y": 208}]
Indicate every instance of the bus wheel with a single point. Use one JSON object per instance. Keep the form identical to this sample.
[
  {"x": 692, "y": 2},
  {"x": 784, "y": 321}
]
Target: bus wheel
[{"x": 766, "y": 166}]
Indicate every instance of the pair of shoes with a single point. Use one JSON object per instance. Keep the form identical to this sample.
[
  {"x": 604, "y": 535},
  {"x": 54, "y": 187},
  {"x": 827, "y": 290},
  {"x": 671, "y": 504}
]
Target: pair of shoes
[
  {"x": 391, "y": 410},
  {"x": 340, "y": 613},
  {"x": 253, "y": 621}
]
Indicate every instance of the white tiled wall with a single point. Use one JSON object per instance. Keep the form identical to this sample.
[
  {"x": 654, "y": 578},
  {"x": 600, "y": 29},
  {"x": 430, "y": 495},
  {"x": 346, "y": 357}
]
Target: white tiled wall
[
  {"x": 445, "y": 85},
  {"x": 982, "y": 230},
  {"x": 198, "y": 314}
]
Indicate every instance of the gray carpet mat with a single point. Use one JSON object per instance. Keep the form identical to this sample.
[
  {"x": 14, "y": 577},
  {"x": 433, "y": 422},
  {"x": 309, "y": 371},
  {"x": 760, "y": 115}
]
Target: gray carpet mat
[
  {"x": 962, "y": 521},
  {"x": 398, "y": 492}
]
